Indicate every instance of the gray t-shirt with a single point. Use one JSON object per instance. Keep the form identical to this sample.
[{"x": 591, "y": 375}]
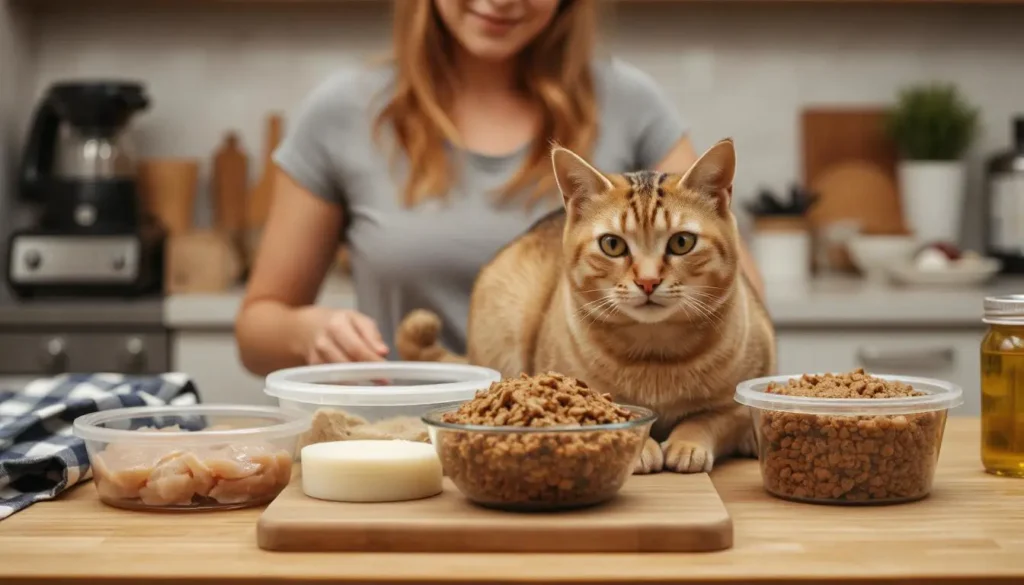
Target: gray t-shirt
[{"x": 428, "y": 256}]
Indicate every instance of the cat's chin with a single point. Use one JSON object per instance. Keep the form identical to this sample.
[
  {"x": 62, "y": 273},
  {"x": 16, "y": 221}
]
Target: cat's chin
[{"x": 648, "y": 313}]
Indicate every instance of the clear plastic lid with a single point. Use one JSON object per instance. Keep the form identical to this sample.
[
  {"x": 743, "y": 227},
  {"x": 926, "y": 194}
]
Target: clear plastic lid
[
  {"x": 938, "y": 395},
  {"x": 198, "y": 423},
  {"x": 380, "y": 383}
]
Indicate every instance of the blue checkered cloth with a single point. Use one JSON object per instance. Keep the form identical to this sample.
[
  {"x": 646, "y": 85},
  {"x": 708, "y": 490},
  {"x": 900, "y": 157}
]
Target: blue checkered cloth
[{"x": 39, "y": 455}]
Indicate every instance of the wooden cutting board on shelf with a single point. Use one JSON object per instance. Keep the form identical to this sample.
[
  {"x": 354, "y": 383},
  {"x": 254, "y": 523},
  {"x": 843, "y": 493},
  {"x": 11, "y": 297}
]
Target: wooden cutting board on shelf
[
  {"x": 665, "y": 512},
  {"x": 850, "y": 162},
  {"x": 836, "y": 135}
]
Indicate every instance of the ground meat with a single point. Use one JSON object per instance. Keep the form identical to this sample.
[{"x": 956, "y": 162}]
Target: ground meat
[
  {"x": 332, "y": 424},
  {"x": 869, "y": 459},
  {"x": 540, "y": 470}
]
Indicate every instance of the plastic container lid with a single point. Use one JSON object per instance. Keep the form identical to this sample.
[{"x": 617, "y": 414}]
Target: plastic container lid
[
  {"x": 939, "y": 395},
  {"x": 351, "y": 384},
  {"x": 279, "y": 423}
]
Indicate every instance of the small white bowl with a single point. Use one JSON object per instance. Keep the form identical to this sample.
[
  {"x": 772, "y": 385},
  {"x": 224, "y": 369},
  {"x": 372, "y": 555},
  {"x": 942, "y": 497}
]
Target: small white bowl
[
  {"x": 966, "y": 272},
  {"x": 874, "y": 255}
]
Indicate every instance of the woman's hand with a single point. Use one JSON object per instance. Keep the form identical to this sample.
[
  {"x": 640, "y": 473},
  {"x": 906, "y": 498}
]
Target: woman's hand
[{"x": 346, "y": 336}]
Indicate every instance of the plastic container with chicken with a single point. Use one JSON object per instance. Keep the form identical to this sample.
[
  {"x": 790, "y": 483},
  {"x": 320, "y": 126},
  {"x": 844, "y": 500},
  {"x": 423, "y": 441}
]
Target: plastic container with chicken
[{"x": 197, "y": 457}]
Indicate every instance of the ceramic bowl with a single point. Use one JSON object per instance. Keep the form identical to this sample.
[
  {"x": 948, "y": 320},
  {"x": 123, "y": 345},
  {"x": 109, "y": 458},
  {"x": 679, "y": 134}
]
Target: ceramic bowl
[{"x": 874, "y": 255}]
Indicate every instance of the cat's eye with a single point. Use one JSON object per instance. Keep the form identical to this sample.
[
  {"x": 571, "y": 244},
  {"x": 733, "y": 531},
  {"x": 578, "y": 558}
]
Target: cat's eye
[
  {"x": 613, "y": 246},
  {"x": 681, "y": 243}
]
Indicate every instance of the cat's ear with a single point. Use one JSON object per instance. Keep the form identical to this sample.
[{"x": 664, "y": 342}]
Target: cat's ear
[
  {"x": 713, "y": 173},
  {"x": 577, "y": 180}
]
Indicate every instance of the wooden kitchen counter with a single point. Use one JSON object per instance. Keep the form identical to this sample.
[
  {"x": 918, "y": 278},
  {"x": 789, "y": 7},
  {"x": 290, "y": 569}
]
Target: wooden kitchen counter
[{"x": 971, "y": 530}]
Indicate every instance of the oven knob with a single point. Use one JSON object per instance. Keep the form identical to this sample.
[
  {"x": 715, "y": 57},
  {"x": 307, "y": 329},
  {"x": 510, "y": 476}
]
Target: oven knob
[
  {"x": 119, "y": 262},
  {"x": 33, "y": 259},
  {"x": 136, "y": 350},
  {"x": 56, "y": 355},
  {"x": 85, "y": 215}
]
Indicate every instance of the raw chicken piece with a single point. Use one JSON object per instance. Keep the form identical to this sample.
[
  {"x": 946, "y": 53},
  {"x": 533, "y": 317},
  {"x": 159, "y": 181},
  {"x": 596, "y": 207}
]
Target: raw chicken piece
[
  {"x": 272, "y": 472},
  {"x": 234, "y": 461},
  {"x": 121, "y": 472},
  {"x": 202, "y": 475},
  {"x": 257, "y": 487},
  {"x": 170, "y": 484}
]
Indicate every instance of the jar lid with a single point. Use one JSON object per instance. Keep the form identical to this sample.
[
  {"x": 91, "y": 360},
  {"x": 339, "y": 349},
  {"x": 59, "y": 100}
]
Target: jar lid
[{"x": 1004, "y": 308}]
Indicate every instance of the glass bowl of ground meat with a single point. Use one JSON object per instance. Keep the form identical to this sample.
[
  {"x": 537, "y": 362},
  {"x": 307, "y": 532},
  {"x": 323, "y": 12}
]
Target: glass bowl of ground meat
[
  {"x": 539, "y": 443},
  {"x": 195, "y": 457},
  {"x": 848, "y": 438}
]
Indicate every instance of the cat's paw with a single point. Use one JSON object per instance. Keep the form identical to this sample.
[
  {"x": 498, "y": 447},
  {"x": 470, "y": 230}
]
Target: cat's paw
[
  {"x": 417, "y": 333},
  {"x": 687, "y": 457},
  {"x": 651, "y": 459},
  {"x": 748, "y": 445}
]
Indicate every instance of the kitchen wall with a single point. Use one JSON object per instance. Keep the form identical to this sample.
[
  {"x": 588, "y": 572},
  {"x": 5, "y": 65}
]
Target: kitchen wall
[
  {"x": 743, "y": 71},
  {"x": 14, "y": 62}
]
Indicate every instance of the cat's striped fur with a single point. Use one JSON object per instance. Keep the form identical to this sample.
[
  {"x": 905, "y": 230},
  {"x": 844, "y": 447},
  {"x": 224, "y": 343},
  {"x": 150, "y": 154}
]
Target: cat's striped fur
[{"x": 553, "y": 301}]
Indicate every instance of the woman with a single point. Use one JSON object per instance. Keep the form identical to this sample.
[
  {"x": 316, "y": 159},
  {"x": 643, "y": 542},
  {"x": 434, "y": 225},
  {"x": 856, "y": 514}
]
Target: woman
[{"x": 434, "y": 162}]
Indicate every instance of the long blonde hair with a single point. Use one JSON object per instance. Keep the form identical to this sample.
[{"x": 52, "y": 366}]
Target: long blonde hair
[{"x": 555, "y": 76}]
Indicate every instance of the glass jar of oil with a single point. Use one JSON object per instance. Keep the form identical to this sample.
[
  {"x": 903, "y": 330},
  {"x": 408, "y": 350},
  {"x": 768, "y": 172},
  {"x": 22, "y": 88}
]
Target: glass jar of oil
[{"x": 1002, "y": 386}]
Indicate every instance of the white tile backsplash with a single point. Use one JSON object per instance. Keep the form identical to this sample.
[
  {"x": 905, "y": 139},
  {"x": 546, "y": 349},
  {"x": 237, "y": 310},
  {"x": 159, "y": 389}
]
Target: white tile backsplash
[{"x": 734, "y": 70}]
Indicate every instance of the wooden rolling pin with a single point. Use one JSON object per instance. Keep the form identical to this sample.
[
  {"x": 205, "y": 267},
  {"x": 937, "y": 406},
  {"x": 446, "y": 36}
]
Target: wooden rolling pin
[
  {"x": 258, "y": 206},
  {"x": 230, "y": 186}
]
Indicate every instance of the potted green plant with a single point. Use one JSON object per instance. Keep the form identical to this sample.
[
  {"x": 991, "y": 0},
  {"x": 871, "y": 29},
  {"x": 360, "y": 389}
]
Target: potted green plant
[{"x": 932, "y": 126}]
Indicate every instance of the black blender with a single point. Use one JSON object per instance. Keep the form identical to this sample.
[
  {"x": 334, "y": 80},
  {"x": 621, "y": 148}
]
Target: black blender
[{"x": 78, "y": 171}]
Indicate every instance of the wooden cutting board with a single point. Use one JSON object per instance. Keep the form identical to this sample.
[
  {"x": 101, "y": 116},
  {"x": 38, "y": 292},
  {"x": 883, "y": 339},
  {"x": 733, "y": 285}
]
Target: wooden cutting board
[
  {"x": 850, "y": 162},
  {"x": 831, "y": 136},
  {"x": 666, "y": 512}
]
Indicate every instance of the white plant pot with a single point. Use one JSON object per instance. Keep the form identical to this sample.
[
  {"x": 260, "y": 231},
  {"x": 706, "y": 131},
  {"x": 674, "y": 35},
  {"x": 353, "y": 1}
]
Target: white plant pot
[
  {"x": 782, "y": 256},
  {"x": 932, "y": 193}
]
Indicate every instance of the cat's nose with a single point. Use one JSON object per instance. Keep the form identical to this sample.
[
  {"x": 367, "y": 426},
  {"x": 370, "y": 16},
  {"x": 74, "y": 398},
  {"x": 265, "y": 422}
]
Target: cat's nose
[{"x": 647, "y": 284}]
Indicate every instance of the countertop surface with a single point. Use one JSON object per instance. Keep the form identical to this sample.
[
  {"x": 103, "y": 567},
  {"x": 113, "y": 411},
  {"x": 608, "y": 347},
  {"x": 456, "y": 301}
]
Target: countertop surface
[
  {"x": 847, "y": 302},
  {"x": 970, "y": 530},
  {"x": 62, "y": 313}
]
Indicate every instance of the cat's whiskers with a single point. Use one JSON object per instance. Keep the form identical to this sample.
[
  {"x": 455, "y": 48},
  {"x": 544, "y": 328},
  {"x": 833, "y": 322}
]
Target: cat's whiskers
[
  {"x": 704, "y": 311},
  {"x": 595, "y": 302},
  {"x": 608, "y": 293},
  {"x": 712, "y": 302},
  {"x": 608, "y": 310},
  {"x": 595, "y": 309}
]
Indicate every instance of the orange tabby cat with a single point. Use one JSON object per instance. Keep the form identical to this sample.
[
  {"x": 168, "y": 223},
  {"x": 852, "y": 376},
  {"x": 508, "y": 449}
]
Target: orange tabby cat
[{"x": 634, "y": 288}]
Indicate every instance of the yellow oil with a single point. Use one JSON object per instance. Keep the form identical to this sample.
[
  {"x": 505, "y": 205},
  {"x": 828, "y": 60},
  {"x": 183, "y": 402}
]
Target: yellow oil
[{"x": 1002, "y": 400}]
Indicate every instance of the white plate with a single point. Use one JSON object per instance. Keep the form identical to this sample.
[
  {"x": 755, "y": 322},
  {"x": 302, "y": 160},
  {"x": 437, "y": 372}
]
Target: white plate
[{"x": 970, "y": 272}]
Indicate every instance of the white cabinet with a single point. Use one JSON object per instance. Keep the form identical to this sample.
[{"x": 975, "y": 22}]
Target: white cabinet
[
  {"x": 946, "y": 354},
  {"x": 210, "y": 357}
]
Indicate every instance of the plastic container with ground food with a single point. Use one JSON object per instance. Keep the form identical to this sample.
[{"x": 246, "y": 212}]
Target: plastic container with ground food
[
  {"x": 374, "y": 401},
  {"x": 850, "y": 438},
  {"x": 198, "y": 457},
  {"x": 378, "y": 391}
]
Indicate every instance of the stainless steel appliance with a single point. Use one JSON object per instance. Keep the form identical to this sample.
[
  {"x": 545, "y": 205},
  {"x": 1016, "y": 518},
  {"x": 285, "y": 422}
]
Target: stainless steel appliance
[
  {"x": 78, "y": 172},
  {"x": 1005, "y": 193},
  {"x": 44, "y": 338}
]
